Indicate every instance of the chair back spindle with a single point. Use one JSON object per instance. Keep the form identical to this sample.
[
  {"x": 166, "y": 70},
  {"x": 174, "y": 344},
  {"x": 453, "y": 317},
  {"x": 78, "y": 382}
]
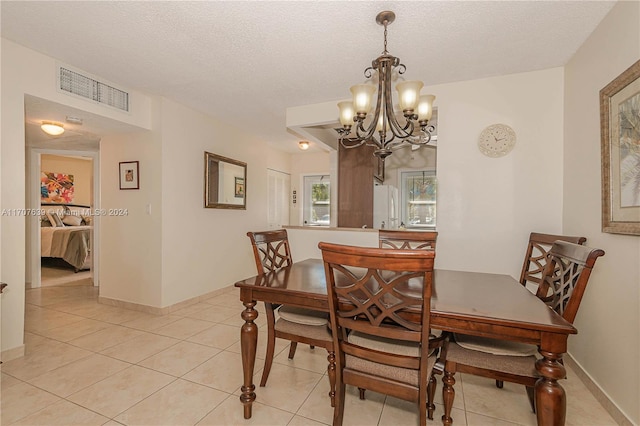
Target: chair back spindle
[
  {"x": 407, "y": 240},
  {"x": 566, "y": 275},
  {"x": 535, "y": 259},
  {"x": 270, "y": 250}
]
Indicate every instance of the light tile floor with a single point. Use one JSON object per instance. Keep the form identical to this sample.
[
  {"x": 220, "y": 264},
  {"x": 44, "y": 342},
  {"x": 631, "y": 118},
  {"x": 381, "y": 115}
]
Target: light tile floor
[{"x": 92, "y": 364}]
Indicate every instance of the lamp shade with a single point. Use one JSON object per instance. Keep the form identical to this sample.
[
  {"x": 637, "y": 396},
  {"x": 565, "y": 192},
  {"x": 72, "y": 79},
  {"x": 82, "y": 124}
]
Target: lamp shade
[
  {"x": 51, "y": 128},
  {"x": 346, "y": 113},
  {"x": 425, "y": 107},
  {"x": 362, "y": 95},
  {"x": 408, "y": 93}
]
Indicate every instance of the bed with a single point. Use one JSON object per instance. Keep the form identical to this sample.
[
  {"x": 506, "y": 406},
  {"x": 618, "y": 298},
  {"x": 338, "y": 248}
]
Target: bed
[{"x": 66, "y": 235}]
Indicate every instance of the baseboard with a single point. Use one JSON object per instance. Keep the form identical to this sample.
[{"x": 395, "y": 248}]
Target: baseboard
[
  {"x": 604, "y": 400},
  {"x": 10, "y": 354},
  {"x": 167, "y": 309}
]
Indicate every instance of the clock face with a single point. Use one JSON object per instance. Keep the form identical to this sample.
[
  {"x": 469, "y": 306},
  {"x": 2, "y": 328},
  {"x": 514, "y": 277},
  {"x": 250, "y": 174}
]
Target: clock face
[{"x": 496, "y": 140}]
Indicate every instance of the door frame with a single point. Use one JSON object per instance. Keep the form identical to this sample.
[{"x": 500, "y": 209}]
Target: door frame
[{"x": 33, "y": 202}]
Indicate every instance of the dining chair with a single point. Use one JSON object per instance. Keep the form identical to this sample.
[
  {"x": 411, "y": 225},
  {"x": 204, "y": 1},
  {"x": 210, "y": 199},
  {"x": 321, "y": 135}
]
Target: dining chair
[
  {"x": 535, "y": 258},
  {"x": 379, "y": 309},
  {"x": 272, "y": 252},
  {"x": 566, "y": 274},
  {"x": 405, "y": 240},
  {"x": 413, "y": 240}
]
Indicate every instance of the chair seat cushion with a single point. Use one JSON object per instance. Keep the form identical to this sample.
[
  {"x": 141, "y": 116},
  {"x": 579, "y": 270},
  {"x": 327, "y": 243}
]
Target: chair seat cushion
[
  {"x": 302, "y": 316},
  {"x": 404, "y": 375},
  {"x": 519, "y": 365},
  {"x": 316, "y": 332},
  {"x": 495, "y": 346}
]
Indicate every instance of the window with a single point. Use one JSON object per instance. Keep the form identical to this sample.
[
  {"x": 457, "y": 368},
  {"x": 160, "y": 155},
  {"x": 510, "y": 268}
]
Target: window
[
  {"x": 317, "y": 205},
  {"x": 418, "y": 199}
]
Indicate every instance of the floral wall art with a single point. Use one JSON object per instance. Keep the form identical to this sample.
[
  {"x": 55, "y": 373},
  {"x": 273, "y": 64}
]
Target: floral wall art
[{"x": 56, "y": 188}]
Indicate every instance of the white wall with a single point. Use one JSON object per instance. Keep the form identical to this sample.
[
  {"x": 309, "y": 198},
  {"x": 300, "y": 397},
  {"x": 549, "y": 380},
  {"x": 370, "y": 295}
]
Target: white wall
[
  {"x": 23, "y": 72},
  {"x": 488, "y": 206},
  {"x": 131, "y": 245},
  {"x": 608, "y": 343},
  {"x": 206, "y": 249}
]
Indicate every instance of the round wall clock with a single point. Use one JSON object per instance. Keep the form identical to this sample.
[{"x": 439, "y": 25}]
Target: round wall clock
[{"x": 496, "y": 140}]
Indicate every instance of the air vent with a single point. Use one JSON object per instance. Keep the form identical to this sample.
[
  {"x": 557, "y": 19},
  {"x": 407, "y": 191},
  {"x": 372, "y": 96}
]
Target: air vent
[{"x": 89, "y": 88}]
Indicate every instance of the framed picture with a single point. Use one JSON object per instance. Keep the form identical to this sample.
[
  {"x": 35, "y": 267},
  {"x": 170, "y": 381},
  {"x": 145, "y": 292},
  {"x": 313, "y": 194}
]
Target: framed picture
[
  {"x": 620, "y": 149},
  {"x": 129, "y": 175},
  {"x": 239, "y": 187},
  {"x": 225, "y": 182}
]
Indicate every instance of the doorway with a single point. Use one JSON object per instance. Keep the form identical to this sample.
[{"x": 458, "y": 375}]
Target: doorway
[{"x": 63, "y": 188}]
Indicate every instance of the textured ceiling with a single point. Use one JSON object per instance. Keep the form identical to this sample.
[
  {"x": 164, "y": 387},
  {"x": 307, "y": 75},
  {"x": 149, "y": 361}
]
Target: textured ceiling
[{"x": 245, "y": 62}]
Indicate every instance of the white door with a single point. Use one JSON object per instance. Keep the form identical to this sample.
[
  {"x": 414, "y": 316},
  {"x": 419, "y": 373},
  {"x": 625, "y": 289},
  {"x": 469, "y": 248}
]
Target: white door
[{"x": 278, "y": 184}]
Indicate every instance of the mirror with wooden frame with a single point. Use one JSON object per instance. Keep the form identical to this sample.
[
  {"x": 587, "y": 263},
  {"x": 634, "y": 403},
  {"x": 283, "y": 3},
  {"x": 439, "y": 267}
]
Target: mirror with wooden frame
[{"x": 225, "y": 182}]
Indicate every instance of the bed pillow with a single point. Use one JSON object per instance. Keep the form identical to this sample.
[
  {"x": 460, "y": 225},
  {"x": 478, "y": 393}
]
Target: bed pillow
[
  {"x": 55, "y": 220},
  {"x": 71, "y": 220}
]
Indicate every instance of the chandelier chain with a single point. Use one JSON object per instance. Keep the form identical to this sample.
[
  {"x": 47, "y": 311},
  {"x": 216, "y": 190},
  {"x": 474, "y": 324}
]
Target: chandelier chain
[{"x": 385, "y": 39}]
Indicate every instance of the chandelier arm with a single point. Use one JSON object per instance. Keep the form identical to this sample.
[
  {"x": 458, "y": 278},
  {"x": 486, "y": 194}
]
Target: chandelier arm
[
  {"x": 402, "y": 131},
  {"x": 368, "y": 71},
  {"x": 395, "y": 127},
  {"x": 356, "y": 142},
  {"x": 369, "y": 132},
  {"x": 417, "y": 140},
  {"x": 422, "y": 140}
]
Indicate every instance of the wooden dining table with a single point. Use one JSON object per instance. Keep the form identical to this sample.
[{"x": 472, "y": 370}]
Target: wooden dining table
[{"x": 473, "y": 303}]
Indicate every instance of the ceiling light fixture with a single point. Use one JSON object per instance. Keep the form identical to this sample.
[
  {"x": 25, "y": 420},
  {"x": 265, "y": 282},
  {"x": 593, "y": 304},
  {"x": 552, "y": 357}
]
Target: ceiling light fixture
[
  {"x": 391, "y": 134},
  {"x": 303, "y": 145},
  {"x": 51, "y": 128}
]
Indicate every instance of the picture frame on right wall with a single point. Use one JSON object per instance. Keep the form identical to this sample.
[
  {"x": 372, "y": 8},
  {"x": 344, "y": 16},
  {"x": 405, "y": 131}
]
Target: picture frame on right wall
[
  {"x": 620, "y": 152},
  {"x": 129, "y": 175}
]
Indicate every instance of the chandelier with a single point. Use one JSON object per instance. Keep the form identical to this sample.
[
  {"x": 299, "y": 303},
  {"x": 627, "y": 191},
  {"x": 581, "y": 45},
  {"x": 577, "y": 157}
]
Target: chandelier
[{"x": 383, "y": 131}]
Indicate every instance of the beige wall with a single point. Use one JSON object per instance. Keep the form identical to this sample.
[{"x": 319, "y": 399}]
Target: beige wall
[
  {"x": 488, "y": 206},
  {"x": 131, "y": 245},
  {"x": 80, "y": 168},
  {"x": 205, "y": 249},
  {"x": 608, "y": 343}
]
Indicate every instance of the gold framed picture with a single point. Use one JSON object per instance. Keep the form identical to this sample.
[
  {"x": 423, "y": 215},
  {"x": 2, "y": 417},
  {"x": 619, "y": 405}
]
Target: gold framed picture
[{"x": 620, "y": 149}]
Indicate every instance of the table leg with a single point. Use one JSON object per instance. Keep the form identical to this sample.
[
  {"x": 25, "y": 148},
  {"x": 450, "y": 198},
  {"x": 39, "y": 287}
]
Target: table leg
[
  {"x": 248, "y": 344},
  {"x": 551, "y": 401}
]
